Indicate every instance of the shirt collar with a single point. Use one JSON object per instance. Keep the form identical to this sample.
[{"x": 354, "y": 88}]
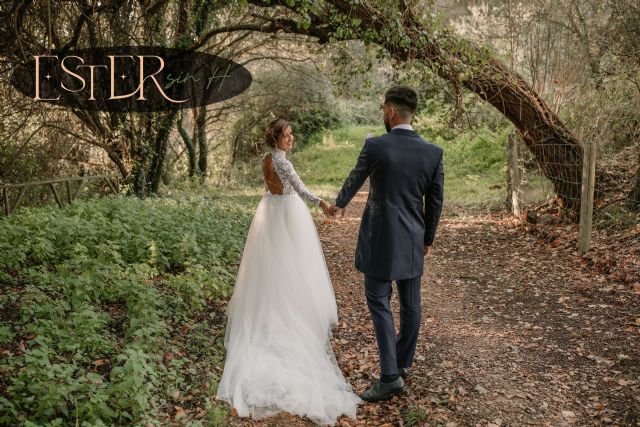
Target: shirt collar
[{"x": 403, "y": 126}]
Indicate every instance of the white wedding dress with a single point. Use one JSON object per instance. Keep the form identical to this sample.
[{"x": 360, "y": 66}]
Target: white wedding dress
[{"x": 279, "y": 318}]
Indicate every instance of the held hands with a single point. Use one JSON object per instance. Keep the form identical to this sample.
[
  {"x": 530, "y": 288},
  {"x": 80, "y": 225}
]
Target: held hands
[
  {"x": 336, "y": 210},
  {"x": 426, "y": 250},
  {"x": 324, "y": 205},
  {"x": 331, "y": 211}
]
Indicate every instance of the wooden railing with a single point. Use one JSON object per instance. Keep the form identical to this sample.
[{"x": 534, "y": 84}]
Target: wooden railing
[{"x": 9, "y": 208}]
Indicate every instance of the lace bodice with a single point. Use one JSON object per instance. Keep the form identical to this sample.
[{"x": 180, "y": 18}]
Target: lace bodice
[{"x": 290, "y": 180}]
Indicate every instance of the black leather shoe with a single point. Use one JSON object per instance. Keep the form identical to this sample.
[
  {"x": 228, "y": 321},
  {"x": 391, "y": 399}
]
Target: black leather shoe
[
  {"x": 404, "y": 372},
  {"x": 383, "y": 391}
]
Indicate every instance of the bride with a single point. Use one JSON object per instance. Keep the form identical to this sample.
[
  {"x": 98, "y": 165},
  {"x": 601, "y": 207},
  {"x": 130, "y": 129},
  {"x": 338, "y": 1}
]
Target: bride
[{"x": 279, "y": 318}]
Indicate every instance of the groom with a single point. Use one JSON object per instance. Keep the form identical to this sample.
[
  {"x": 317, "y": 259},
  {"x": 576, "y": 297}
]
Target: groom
[{"x": 398, "y": 227}]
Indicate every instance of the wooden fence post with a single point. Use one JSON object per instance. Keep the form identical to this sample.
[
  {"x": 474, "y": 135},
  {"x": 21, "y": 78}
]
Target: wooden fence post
[
  {"x": 5, "y": 196},
  {"x": 514, "y": 174},
  {"x": 111, "y": 186},
  {"x": 68, "y": 185},
  {"x": 15, "y": 204},
  {"x": 586, "y": 201},
  {"x": 55, "y": 194}
]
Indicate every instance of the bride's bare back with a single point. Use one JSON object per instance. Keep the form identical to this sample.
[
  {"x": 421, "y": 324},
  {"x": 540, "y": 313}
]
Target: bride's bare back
[{"x": 271, "y": 179}]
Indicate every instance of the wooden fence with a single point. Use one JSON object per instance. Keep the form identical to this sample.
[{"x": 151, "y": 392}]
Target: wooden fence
[{"x": 113, "y": 181}]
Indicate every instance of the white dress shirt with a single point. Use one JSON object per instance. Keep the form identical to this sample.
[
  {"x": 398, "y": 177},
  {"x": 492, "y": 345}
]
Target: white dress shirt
[{"x": 403, "y": 126}]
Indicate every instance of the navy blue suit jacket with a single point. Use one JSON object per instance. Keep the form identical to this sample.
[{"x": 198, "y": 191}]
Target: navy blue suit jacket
[{"x": 406, "y": 176}]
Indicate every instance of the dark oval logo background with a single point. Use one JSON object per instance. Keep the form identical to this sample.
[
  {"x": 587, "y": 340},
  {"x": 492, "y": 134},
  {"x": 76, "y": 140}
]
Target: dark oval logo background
[{"x": 125, "y": 78}]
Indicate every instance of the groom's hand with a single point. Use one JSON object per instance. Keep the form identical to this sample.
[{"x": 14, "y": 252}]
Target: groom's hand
[
  {"x": 336, "y": 210},
  {"x": 328, "y": 211},
  {"x": 426, "y": 250}
]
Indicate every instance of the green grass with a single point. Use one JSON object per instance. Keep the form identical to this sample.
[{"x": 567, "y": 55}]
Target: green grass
[
  {"x": 328, "y": 158},
  {"x": 475, "y": 168},
  {"x": 475, "y": 165},
  {"x": 415, "y": 416},
  {"x": 325, "y": 162}
]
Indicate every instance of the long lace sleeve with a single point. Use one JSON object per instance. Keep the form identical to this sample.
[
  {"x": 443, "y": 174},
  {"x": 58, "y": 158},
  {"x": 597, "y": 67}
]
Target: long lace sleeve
[{"x": 288, "y": 175}]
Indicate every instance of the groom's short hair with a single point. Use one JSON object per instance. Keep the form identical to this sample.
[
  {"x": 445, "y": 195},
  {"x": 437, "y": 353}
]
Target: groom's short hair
[{"x": 403, "y": 98}]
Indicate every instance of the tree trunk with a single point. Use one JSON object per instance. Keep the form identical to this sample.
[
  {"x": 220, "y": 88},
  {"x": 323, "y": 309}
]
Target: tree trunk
[
  {"x": 160, "y": 151},
  {"x": 149, "y": 151},
  {"x": 202, "y": 142},
  {"x": 556, "y": 150},
  {"x": 191, "y": 147}
]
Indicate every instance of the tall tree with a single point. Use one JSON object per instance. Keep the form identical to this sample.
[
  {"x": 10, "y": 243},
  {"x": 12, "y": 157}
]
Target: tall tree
[{"x": 409, "y": 36}]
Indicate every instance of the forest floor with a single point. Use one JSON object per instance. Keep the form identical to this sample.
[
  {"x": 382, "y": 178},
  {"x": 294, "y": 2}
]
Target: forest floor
[{"x": 515, "y": 331}]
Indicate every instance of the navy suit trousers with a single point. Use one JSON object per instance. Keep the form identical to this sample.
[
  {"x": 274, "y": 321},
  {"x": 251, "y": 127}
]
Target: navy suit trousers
[{"x": 395, "y": 351}]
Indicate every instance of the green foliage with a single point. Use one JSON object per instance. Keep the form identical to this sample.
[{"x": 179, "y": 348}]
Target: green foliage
[
  {"x": 414, "y": 416},
  {"x": 303, "y": 97},
  {"x": 615, "y": 216},
  {"x": 93, "y": 294},
  {"x": 313, "y": 119}
]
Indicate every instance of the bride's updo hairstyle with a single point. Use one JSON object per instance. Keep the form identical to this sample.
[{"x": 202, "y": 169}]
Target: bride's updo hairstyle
[{"x": 274, "y": 129}]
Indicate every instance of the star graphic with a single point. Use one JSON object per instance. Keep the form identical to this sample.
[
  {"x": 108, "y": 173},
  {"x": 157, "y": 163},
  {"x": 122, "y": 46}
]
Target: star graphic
[
  {"x": 48, "y": 76},
  {"x": 123, "y": 76}
]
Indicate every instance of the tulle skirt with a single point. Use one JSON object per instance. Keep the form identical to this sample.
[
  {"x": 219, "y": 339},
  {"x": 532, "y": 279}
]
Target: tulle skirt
[{"x": 279, "y": 320}]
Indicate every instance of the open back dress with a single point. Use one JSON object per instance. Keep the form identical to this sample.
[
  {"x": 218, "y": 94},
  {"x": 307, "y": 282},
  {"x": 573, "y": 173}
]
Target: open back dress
[{"x": 280, "y": 316}]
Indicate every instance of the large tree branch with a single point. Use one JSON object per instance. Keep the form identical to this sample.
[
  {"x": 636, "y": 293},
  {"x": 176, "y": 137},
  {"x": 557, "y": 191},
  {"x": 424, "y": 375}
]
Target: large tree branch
[
  {"x": 463, "y": 63},
  {"x": 272, "y": 26}
]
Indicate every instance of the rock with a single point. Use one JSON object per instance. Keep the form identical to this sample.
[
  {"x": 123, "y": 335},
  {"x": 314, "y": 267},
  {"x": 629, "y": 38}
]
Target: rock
[
  {"x": 480, "y": 389},
  {"x": 447, "y": 364}
]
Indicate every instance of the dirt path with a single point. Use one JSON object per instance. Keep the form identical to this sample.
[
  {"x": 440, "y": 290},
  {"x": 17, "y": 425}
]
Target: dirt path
[{"x": 513, "y": 332}]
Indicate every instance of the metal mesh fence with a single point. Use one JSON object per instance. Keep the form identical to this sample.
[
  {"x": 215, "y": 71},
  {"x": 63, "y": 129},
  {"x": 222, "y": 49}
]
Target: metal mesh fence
[{"x": 556, "y": 180}]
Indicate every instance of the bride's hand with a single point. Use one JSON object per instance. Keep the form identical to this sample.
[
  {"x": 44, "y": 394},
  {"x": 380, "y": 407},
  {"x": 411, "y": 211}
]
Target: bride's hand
[{"x": 326, "y": 208}]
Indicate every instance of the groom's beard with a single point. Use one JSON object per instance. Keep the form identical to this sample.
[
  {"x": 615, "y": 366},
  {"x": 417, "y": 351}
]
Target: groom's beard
[{"x": 387, "y": 126}]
